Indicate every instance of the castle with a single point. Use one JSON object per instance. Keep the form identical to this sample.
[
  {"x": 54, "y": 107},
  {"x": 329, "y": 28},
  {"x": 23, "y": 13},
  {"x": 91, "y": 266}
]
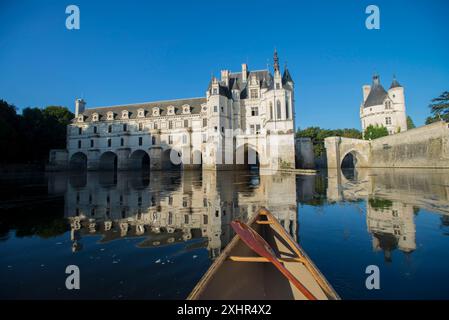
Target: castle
[
  {"x": 383, "y": 108},
  {"x": 246, "y": 118}
]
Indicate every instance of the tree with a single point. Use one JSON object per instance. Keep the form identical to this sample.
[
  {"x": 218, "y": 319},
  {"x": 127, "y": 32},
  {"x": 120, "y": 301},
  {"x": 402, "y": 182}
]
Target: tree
[
  {"x": 317, "y": 135},
  {"x": 410, "y": 123},
  {"x": 374, "y": 132},
  {"x": 439, "y": 108},
  {"x": 28, "y": 137}
]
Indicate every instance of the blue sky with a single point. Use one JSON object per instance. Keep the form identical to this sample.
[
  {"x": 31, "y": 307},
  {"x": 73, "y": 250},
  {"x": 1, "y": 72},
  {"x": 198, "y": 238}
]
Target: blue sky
[{"x": 137, "y": 51}]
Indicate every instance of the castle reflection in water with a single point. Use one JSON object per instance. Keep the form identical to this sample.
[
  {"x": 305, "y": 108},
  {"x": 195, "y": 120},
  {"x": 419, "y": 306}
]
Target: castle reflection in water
[
  {"x": 393, "y": 199},
  {"x": 163, "y": 208}
]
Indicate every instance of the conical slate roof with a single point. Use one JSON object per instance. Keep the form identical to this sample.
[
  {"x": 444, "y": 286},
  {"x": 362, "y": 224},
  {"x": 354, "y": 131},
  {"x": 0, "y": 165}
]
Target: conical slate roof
[
  {"x": 395, "y": 83},
  {"x": 286, "y": 77},
  {"x": 377, "y": 94}
]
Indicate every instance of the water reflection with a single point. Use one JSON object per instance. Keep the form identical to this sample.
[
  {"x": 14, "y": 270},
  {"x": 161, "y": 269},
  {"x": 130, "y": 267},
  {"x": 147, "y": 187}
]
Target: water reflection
[
  {"x": 165, "y": 208},
  {"x": 393, "y": 199}
]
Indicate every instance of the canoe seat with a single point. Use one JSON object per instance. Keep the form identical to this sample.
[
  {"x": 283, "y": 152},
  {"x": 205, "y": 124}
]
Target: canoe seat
[{"x": 262, "y": 259}]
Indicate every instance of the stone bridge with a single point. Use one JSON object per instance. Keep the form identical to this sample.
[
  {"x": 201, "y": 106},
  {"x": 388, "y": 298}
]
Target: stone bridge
[{"x": 423, "y": 147}]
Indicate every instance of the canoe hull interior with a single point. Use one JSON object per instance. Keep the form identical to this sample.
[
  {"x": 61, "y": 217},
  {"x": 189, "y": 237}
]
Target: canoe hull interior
[{"x": 238, "y": 280}]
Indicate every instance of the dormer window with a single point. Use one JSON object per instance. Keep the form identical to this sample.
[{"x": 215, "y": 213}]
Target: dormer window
[
  {"x": 110, "y": 116},
  {"x": 254, "y": 94},
  {"x": 125, "y": 114},
  {"x": 94, "y": 116},
  {"x": 171, "y": 110},
  {"x": 215, "y": 91},
  {"x": 388, "y": 104},
  {"x": 141, "y": 113},
  {"x": 80, "y": 118},
  {"x": 186, "y": 109},
  {"x": 156, "y": 112},
  {"x": 204, "y": 108}
]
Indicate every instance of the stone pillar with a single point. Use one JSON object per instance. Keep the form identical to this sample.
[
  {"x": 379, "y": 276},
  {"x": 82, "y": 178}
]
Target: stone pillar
[
  {"x": 155, "y": 158},
  {"x": 332, "y": 145},
  {"x": 123, "y": 158},
  {"x": 93, "y": 160}
]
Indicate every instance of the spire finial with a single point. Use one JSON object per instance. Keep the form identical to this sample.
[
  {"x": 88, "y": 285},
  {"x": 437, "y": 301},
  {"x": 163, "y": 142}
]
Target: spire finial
[{"x": 276, "y": 60}]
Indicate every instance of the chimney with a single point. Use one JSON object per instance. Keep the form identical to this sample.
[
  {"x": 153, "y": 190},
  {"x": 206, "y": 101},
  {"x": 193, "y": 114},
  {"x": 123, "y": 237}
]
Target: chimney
[
  {"x": 225, "y": 77},
  {"x": 366, "y": 90},
  {"x": 244, "y": 72},
  {"x": 80, "y": 105}
]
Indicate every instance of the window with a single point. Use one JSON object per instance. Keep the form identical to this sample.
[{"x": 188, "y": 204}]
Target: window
[
  {"x": 109, "y": 143},
  {"x": 204, "y": 122},
  {"x": 122, "y": 142},
  {"x": 186, "y": 123},
  {"x": 110, "y": 116},
  {"x": 388, "y": 120},
  {"x": 215, "y": 128},
  {"x": 287, "y": 110},
  {"x": 251, "y": 129},
  {"x": 155, "y": 126},
  {"x": 278, "y": 86},
  {"x": 387, "y": 104},
  {"x": 278, "y": 110},
  {"x": 257, "y": 128},
  {"x": 79, "y": 144},
  {"x": 140, "y": 126},
  {"x": 80, "y": 130},
  {"x": 125, "y": 127},
  {"x": 91, "y": 143},
  {"x": 271, "y": 110},
  {"x": 254, "y": 111},
  {"x": 222, "y": 129},
  {"x": 215, "y": 109},
  {"x": 205, "y": 218},
  {"x": 186, "y": 219},
  {"x": 153, "y": 140},
  {"x": 95, "y": 117},
  {"x": 184, "y": 139},
  {"x": 215, "y": 91},
  {"x": 140, "y": 141},
  {"x": 222, "y": 109},
  {"x": 204, "y": 138},
  {"x": 170, "y": 124},
  {"x": 95, "y": 129},
  {"x": 109, "y": 129},
  {"x": 170, "y": 139},
  {"x": 254, "y": 93}
]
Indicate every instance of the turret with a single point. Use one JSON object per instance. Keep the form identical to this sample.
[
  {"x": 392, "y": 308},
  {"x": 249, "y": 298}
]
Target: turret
[{"x": 80, "y": 106}]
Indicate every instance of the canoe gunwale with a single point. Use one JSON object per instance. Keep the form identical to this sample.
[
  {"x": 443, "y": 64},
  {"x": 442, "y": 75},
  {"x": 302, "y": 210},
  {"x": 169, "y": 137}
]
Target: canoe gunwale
[{"x": 277, "y": 227}]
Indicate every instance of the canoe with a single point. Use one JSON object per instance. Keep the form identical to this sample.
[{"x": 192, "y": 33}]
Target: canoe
[{"x": 239, "y": 273}]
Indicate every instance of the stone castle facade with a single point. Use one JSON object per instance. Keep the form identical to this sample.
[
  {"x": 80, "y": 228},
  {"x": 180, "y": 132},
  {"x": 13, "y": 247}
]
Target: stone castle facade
[
  {"x": 246, "y": 118},
  {"x": 384, "y": 108}
]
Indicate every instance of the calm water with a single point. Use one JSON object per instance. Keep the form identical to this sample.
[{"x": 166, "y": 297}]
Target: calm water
[{"x": 153, "y": 236}]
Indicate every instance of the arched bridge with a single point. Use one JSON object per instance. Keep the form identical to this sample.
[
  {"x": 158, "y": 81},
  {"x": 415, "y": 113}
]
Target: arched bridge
[{"x": 347, "y": 152}]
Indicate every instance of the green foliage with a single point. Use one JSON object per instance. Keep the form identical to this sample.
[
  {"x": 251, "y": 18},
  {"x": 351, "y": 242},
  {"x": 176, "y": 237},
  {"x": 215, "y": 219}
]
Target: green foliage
[
  {"x": 317, "y": 135},
  {"x": 410, "y": 123},
  {"x": 374, "y": 132},
  {"x": 439, "y": 108},
  {"x": 29, "y": 136},
  {"x": 380, "y": 204}
]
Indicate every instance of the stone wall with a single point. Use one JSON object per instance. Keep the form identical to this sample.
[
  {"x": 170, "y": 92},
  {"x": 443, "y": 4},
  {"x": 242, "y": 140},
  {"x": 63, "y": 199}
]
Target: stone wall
[
  {"x": 304, "y": 153},
  {"x": 423, "y": 147}
]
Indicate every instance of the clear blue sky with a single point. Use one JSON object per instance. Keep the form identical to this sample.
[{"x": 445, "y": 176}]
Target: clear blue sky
[{"x": 137, "y": 51}]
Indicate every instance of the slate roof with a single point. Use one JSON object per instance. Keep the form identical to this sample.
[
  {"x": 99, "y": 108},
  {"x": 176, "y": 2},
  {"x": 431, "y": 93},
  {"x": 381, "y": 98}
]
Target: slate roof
[
  {"x": 194, "y": 103},
  {"x": 395, "y": 83},
  {"x": 236, "y": 82},
  {"x": 286, "y": 77},
  {"x": 377, "y": 94}
]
